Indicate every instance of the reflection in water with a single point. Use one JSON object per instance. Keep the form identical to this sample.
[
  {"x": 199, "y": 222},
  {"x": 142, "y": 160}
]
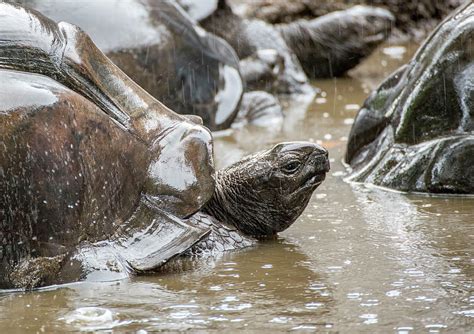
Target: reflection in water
[
  {"x": 271, "y": 282},
  {"x": 358, "y": 260}
]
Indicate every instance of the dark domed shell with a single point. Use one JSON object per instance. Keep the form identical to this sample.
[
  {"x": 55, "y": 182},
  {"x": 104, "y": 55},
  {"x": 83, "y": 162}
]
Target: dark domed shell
[{"x": 85, "y": 159}]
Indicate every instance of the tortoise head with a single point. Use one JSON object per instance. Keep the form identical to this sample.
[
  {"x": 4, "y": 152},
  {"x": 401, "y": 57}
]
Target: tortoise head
[{"x": 265, "y": 193}]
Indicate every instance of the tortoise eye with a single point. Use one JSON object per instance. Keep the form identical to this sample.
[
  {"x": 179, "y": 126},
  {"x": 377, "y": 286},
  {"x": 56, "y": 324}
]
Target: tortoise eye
[{"x": 291, "y": 167}]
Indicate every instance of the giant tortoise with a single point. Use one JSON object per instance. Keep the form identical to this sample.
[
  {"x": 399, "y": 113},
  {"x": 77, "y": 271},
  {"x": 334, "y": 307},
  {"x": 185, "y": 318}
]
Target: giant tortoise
[
  {"x": 324, "y": 47},
  {"x": 415, "y": 132},
  {"x": 99, "y": 180}
]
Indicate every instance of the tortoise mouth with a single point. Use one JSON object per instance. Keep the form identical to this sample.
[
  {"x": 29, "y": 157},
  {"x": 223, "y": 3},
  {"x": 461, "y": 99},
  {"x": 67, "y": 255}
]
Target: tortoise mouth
[
  {"x": 315, "y": 181},
  {"x": 312, "y": 182}
]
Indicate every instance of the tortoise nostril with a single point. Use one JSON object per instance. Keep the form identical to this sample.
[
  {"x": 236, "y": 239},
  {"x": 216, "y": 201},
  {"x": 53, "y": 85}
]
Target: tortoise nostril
[
  {"x": 321, "y": 163},
  {"x": 319, "y": 150}
]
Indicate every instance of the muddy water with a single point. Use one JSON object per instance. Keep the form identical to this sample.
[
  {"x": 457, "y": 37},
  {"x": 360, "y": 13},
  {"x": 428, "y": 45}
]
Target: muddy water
[{"x": 358, "y": 260}]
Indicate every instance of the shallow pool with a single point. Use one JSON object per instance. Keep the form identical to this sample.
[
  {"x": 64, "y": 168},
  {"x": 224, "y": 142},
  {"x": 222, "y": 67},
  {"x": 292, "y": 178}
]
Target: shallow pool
[{"x": 358, "y": 260}]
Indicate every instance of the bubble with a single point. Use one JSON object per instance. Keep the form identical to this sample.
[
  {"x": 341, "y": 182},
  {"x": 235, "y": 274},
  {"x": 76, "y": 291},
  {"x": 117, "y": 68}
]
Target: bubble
[{"x": 90, "y": 318}]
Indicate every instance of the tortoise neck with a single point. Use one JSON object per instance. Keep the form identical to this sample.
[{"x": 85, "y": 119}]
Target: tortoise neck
[
  {"x": 221, "y": 203},
  {"x": 234, "y": 203}
]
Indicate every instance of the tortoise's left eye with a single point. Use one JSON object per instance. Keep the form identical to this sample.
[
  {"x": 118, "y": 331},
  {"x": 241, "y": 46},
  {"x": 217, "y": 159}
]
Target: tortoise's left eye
[{"x": 291, "y": 167}]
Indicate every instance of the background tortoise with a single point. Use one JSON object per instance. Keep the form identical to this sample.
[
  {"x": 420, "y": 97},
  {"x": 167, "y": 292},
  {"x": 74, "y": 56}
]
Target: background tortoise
[
  {"x": 415, "y": 132},
  {"x": 324, "y": 47}
]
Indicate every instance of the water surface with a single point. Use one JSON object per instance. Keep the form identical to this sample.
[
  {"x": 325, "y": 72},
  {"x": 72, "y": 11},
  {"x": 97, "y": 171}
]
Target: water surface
[{"x": 358, "y": 260}]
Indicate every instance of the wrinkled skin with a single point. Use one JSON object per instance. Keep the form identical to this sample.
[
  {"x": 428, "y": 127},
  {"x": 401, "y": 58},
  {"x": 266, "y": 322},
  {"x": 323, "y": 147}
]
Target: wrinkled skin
[
  {"x": 99, "y": 180},
  {"x": 161, "y": 49},
  {"x": 305, "y": 43},
  {"x": 264, "y": 193},
  {"x": 415, "y": 132}
]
